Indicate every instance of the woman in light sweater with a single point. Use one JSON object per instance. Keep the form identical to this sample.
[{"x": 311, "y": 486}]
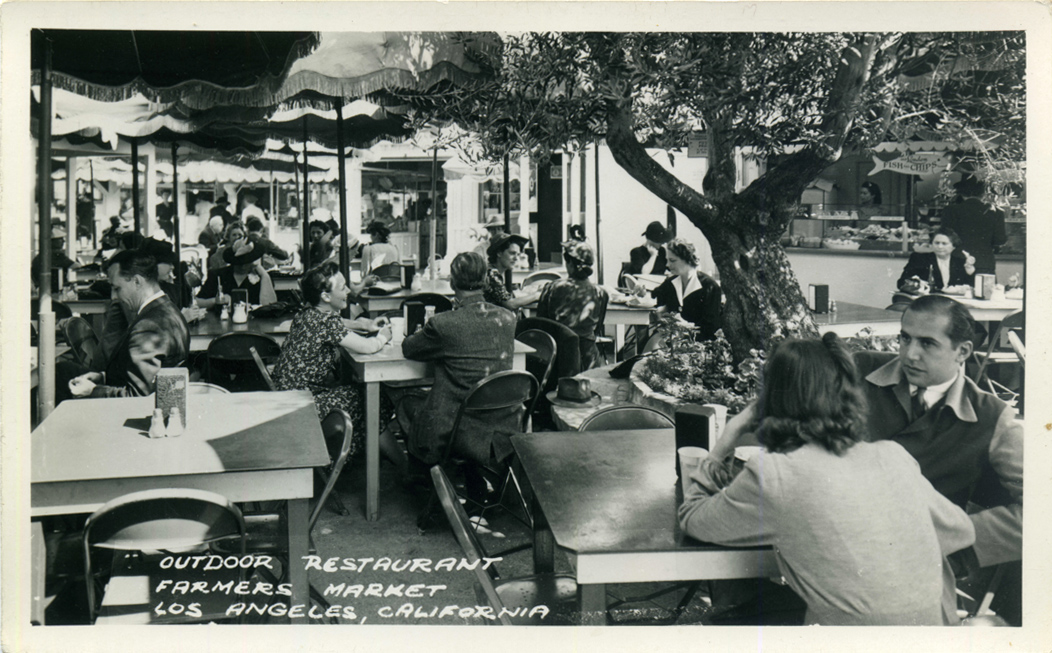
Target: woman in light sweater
[{"x": 860, "y": 535}]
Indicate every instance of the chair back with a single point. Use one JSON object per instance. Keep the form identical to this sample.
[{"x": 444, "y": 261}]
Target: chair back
[
  {"x": 465, "y": 534},
  {"x": 388, "y": 272},
  {"x": 496, "y": 392},
  {"x": 568, "y": 348},
  {"x": 83, "y": 342},
  {"x": 338, "y": 431},
  {"x": 230, "y": 354},
  {"x": 541, "y": 276},
  {"x": 440, "y": 302},
  {"x": 1017, "y": 346},
  {"x": 626, "y": 417},
  {"x": 165, "y": 519},
  {"x": 541, "y": 361},
  {"x": 205, "y": 388},
  {"x": 60, "y": 310},
  {"x": 1014, "y": 320},
  {"x": 262, "y": 367}
]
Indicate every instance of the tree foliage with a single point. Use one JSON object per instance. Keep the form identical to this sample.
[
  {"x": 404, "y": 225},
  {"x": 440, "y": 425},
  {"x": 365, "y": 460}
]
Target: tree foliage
[{"x": 807, "y": 96}]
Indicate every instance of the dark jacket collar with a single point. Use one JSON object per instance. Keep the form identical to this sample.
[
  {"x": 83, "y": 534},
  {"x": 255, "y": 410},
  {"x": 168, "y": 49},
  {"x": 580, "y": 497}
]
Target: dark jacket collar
[{"x": 890, "y": 374}]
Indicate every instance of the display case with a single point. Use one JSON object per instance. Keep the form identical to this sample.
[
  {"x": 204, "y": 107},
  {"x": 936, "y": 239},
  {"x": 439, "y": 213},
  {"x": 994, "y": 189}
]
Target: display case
[{"x": 852, "y": 227}]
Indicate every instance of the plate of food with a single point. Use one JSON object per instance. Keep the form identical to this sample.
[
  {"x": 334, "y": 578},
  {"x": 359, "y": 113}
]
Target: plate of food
[
  {"x": 956, "y": 291},
  {"x": 840, "y": 243},
  {"x": 641, "y": 302}
]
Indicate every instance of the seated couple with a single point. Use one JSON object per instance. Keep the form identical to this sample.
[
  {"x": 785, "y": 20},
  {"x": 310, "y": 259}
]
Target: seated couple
[{"x": 869, "y": 467}]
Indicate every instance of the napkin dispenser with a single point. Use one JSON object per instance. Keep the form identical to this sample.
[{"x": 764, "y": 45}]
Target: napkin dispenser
[
  {"x": 173, "y": 383},
  {"x": 984, "y": 286},
  {"x": 415, "y": 315},
  {"x": 408, "y": 271},
  {"x": 697, "y": 426},
  {"x": 818, "y": 298}
]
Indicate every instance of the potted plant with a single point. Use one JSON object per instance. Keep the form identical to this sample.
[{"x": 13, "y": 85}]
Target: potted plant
[{"x": 686, "y": 370}]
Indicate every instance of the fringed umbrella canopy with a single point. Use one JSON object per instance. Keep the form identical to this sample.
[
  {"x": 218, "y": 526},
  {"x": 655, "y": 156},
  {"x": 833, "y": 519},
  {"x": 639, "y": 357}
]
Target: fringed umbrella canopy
[
  {"x": 216, "y": 68},
  {"x": 359, "y": 64}
]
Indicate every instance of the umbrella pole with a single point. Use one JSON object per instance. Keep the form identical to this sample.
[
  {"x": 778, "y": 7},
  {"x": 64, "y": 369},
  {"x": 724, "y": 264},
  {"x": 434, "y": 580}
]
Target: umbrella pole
[
  {"x": 46, "y": 318},
  {"x": 598, "y": 244},
  {"x": 176, "y": 227},
  {"x": 433, "y": 226},
  {"x": 305, "y": 202},
  {"x": 91, "y": 195},
  {"x": 135, "y": 184},
  {"x": 345, "y": 254},
  {"x": 506, "y": 195}
]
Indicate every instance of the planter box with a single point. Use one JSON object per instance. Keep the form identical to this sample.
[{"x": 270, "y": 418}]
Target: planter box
[{"x": 641, "y": 393}]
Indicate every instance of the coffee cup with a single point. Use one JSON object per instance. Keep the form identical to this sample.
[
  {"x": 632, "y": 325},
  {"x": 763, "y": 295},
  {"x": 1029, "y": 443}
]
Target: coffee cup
[{"x": 689, "y": 461}]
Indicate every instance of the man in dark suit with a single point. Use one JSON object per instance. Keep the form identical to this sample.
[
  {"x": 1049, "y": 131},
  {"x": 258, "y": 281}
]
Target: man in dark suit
[
  {"x": 649, "y": 258},
  {"x": 467, "y": 344},
  {"x": 156, "y": 337},
  {"x": 967, "y": 441},
  {"x": 981, "y": 228}
]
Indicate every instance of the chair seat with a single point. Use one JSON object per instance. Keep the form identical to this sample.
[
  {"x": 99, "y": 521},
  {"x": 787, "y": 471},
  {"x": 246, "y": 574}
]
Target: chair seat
[
  {"x": 131, "y": 596},
  {"x": 556, "y": 591}
]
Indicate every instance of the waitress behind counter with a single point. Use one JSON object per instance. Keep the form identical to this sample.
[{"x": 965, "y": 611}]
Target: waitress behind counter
[{"x": 944, "y": 266}]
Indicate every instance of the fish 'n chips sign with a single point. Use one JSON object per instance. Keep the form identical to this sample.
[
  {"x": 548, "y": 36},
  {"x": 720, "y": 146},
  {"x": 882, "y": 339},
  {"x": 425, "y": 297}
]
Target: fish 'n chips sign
[{"x": 921, "y": 163}]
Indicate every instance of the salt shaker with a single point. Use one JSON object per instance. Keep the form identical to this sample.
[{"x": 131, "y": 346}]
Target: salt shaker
[
  {"x": 175, "y": 423},
  {"x": 157, "y": 424},
  {"x": 429, "y": 312}
]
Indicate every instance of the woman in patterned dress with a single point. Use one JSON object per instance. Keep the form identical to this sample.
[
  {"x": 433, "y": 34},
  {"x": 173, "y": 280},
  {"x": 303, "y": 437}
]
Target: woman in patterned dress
[
  {"x": 503, "y": 253},
  {"x": 311, "y": 352}
]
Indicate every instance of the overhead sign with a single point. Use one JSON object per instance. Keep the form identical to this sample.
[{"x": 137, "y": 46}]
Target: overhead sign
[
  {"x": 920, "y": 163},
  {"x": 698, "y": 145}
]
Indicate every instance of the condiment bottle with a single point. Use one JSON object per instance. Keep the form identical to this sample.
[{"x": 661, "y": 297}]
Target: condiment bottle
[
  {"x": 175, "y": 423},
  {"x": 157, "y": 424}
]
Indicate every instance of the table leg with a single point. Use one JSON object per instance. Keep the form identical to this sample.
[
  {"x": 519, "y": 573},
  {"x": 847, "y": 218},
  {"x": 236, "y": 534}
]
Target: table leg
[
  {"x": 299, "y": 547},
  {"x": 543, "y": 542},
  {"x": 372, "y": 451},
  {"x": 592, "y": 603},
  {"x": 38, "y": 570},
  {"x": 619, "y": 339}
]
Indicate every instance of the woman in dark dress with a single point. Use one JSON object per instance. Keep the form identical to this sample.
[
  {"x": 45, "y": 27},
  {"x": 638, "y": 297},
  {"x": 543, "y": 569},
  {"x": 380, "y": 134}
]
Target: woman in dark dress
[
  {"x": 311, "y": 351},
  {"x": 946, "y": 265},
  {"x": 577, "y": 302},
  {"x": 690, "y": 292}
]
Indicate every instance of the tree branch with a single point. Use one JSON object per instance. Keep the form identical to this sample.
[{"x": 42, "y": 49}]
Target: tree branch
[{"x": 633, "y": 158}]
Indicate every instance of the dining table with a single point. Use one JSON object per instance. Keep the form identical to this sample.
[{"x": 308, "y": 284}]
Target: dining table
[
  {"x": 387, "y": 365},
  {"x": 850, "y": 318},
  {"x": 250, "y": 446},
  {"x": 609, "y": 500},
  {"x": 620, "y": 314},
  {"x": 210, "y": 327},
  {"x": 392, "y": 301},
  {"x": 990, "y": 310}
]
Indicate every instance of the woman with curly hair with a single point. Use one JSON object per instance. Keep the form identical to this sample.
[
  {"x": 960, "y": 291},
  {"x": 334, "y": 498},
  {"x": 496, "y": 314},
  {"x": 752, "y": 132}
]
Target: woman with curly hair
[
  {"x": 311, "y": 352},
  {"x": 859, "y": 534}
]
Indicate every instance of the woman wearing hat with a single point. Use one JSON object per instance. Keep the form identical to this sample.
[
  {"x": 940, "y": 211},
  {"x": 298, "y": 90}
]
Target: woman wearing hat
[
  {"x": 576, "y": 301},
  {"x": 503, "y": 253},
  {"x": 380, "y": 251},
  {"x": 689, "y": 291},
  {"x": 242, "y": 272},
  {"x": 649, "y": 258}
]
